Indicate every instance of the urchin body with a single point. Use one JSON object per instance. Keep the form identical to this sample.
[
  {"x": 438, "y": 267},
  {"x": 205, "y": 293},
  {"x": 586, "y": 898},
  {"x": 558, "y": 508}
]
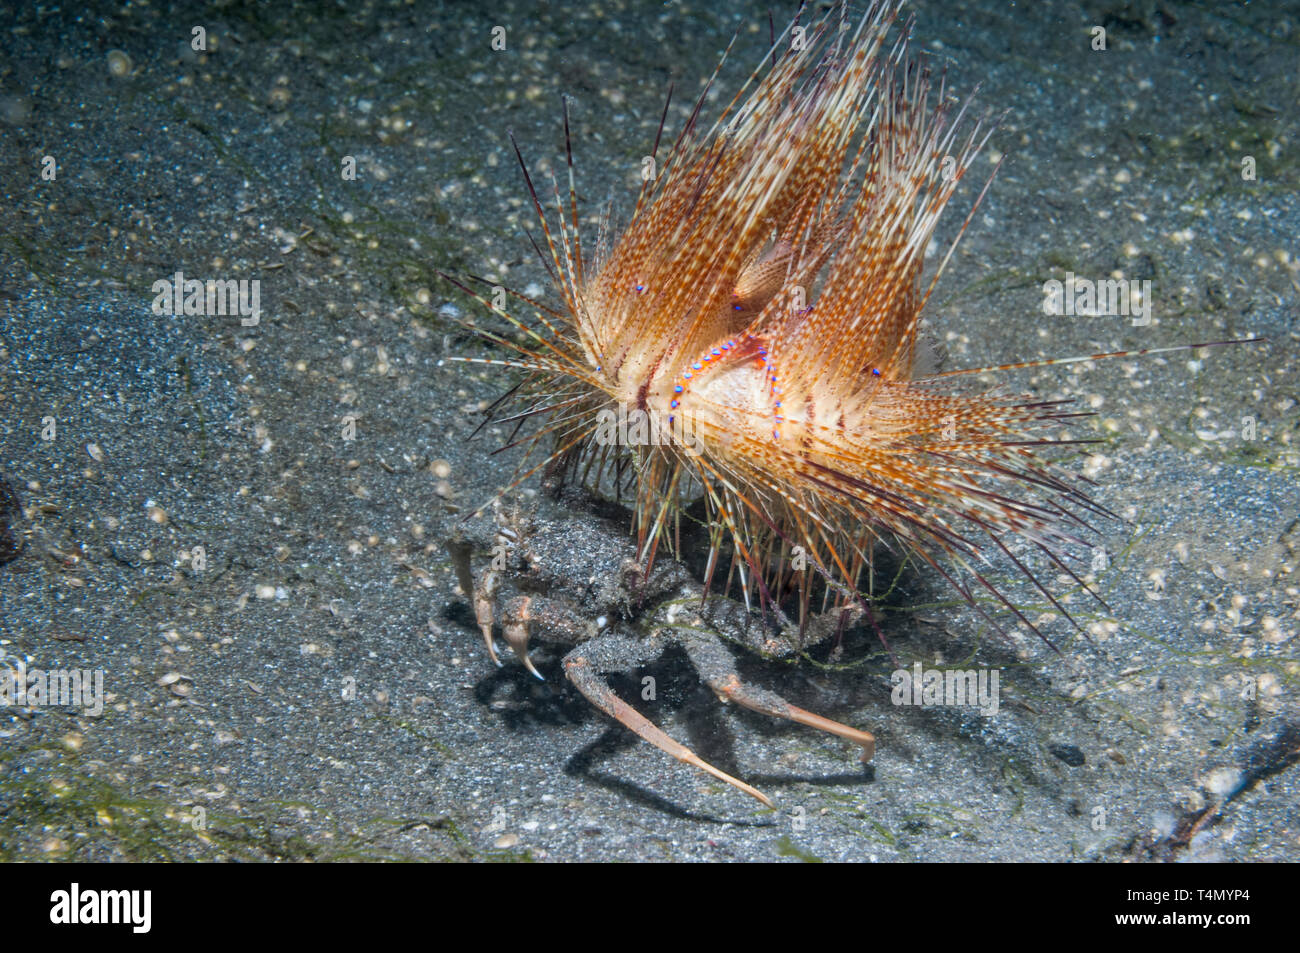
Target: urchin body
[{"x": 577, "y": 585}]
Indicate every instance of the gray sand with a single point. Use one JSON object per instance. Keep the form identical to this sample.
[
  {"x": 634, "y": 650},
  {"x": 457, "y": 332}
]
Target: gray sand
[{"x": 313, "y": 687}]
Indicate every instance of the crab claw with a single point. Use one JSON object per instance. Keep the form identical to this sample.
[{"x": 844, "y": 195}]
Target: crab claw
[
  {"x": 492, "y": 649},
  {"x": 516, "y": 632},
  {"x": 483, "y": 599}
]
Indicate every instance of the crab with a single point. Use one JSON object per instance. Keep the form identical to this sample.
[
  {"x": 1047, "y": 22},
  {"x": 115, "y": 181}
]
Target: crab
[{"x": 628, "y": 618}]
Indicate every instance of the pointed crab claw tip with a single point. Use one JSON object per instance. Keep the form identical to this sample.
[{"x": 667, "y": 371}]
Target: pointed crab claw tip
[
  {"x": 492, "y": 649},
  {"x": 518, "y": 636}
]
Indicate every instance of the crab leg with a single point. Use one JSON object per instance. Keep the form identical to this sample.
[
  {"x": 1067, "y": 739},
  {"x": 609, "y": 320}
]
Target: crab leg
[
  {"x": 578, "y": 666},
  {"x": 482, "y": 597},
  {"x": 718, "y": 668},
  {"x": 732, "y": 689},
  {"x": 516, "y": 622}
]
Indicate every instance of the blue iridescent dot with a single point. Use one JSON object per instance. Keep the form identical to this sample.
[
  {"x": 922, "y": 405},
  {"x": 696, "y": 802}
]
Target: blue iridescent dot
[
  {"x": 697, "y": 366},
  {"x": 640, "y": 287},
  {"x": 671, "y": 419},
  {"x": 716, "y": 352},
  {"x": 875, "y": 371},
  {"x": 687, "y": 375},
  {"x": 737, "y": 307},
  {"x": 776, "y": 435},
  {"x": 778, "y": 403},
  {"x": 673, "y": 404},
  {"x": 678, "y": 389}
]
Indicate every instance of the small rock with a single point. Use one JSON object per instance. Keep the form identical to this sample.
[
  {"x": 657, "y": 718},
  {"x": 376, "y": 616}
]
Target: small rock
[
  {"x": 1070, "y": 754},
  {"x": 119, "y": 64},
  {"x": 1222, "y": 781}
]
